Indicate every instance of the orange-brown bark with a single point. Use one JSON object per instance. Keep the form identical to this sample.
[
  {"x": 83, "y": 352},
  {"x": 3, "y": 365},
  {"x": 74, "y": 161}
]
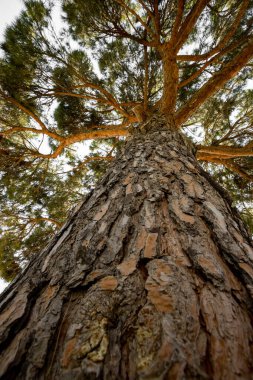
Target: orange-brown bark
[
  {"x": 152, "y": 275},
  {"x": 150, "y": 278},
  {"x": 224, "y": 41},
  {"x": 190, "y": 22},
  {"x": 224, "y": 151},
  {"x": 170, "y": 79},
  {"x": 24, "y": 109},
  {"x": 228, "y": 164},
  {"x": 98, "y": 134},
  {"x": 177, "y": 23},
  {"x": 216, "y": 82}
]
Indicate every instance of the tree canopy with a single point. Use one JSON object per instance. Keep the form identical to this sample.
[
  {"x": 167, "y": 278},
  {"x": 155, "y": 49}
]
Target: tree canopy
[{"x": 90, "y": 80}]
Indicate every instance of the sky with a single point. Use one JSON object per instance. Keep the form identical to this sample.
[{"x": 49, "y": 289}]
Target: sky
[{"x": 9, "y": 10}]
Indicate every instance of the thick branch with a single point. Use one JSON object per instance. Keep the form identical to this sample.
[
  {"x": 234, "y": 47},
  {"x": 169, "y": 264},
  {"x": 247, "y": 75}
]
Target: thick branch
[
  {"x": 178, "y": 20},
  {"x": 230, "y": 165},
  {"x": 41, "y": 219},
  {"x": 220, "y": 46},
  {"x": 17, "y": 129},
  {"x": 215, "y": 83},
  {"x": 28, "y": 112},
  {"x": 99, "y": 134},
  {"x": 190, "y": 22},
  {"x": 170, "y": 79},
  {"x": 224, "y": 151}
]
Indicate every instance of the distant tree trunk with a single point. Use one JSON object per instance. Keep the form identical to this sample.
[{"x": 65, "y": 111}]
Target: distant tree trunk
[{"x": 152, "y": 278}]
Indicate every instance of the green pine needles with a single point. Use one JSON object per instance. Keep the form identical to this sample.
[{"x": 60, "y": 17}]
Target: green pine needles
[{"x": 81, "y": 74}]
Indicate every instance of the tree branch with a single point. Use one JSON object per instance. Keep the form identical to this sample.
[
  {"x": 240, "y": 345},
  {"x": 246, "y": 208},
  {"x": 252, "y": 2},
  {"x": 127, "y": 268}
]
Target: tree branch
[
  {"x": 178, "y": 20},
  {"x": 225, "y": 152},
  {"x": 145, "y": 85},
  {"x": 228, "y": 35},
  {"x": 157, "y": 20},
  {"x": 24, "y": 109},
  {"x": 230, "y": 165},
  {"x": 34, "y": 130},
  {"x": 115, "y": 131},
  {"x": 130, "y": 10},
  {"x": 189, "y": 23},
  {"x": 114, "y": 104},
  {"x": 40, "y": 219},
  {"x": 215, "y": 83},
  {"x": 213, "y": 60},
  {"x": 228, "y": 49}
]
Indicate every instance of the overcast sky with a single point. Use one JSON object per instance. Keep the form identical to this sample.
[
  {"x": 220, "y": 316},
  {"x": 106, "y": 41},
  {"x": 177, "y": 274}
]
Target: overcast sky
[{"x": 9, "y": 10}]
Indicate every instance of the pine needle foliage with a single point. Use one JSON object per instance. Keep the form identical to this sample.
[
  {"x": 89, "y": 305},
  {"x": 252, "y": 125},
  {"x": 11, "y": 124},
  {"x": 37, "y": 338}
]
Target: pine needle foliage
[{"x": 106, "y": 68}]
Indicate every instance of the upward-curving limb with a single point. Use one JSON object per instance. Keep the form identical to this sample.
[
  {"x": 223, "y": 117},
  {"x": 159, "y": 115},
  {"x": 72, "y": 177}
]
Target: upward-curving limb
[{"x": 215, "y": 83}]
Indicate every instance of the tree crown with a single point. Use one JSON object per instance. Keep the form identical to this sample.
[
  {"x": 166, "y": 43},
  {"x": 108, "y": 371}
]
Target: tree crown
[{"x": 109, "y": 67}]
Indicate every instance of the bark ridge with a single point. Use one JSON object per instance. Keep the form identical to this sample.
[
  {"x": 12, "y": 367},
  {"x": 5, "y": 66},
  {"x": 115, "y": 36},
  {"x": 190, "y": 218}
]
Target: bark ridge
[{"x": 151, "y": 278}]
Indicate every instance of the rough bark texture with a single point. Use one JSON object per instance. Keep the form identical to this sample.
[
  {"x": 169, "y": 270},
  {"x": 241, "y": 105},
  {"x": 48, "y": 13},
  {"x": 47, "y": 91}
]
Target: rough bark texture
[{"x": 150, "y": 279}]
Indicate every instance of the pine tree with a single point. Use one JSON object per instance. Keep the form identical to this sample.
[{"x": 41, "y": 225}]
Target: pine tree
[{"x": 151, "y": 276}]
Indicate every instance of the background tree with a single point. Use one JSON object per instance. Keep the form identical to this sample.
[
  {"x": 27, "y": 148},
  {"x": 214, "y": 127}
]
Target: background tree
[{"x": 133, "y": 283}]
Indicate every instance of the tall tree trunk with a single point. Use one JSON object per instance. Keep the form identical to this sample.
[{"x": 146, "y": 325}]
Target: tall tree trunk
[{"x": 150, "y": 279}]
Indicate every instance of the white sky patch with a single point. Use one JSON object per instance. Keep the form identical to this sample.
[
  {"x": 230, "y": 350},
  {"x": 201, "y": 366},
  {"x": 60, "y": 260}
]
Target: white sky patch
[
  {"x": 56, "y": 16},
  {"x": 249, "y": 84},
  {"x": 9, "y": 11},
  {"x": 196, "y": 132},
  {"x": 188, "y": 48},
  {"x": 3, "y": 285}
]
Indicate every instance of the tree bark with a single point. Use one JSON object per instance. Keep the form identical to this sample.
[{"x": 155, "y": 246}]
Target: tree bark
[{"x": 150, "y": 278}]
